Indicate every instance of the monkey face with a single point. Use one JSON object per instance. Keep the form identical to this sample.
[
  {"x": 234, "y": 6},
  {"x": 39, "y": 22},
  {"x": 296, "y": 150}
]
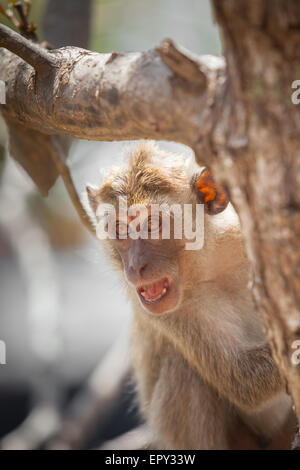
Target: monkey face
[
  {"x": 151, "y": 266},
  {"x": 154, "y": 267}
]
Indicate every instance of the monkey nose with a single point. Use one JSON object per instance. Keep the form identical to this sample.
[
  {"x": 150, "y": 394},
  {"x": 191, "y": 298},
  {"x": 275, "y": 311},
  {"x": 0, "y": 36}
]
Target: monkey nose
[{"x": 142, "y": 269}]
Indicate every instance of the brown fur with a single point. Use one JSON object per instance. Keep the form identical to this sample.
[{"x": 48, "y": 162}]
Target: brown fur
[{"x": 204, "y": 371}]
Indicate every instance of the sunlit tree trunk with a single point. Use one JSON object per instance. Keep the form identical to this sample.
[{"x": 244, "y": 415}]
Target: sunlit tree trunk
[{"x": 256, "y": 153}]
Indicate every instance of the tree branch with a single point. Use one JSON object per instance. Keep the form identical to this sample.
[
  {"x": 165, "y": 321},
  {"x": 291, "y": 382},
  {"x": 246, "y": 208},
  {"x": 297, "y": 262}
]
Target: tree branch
[
  {"x": 112, "y": 96},
  {"x": 63, "y": 170},
  {"x": 32, "y": 53}
]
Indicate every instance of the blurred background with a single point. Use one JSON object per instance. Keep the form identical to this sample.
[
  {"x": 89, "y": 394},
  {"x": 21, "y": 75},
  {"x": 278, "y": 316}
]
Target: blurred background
[{"x": 61, "y": 304}]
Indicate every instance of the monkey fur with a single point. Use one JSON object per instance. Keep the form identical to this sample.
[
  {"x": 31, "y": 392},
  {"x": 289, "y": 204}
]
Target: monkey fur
[{"x": 204, "y": 373}]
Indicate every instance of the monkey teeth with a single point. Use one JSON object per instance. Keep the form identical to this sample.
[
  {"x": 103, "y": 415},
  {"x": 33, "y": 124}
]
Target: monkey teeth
[
  {"x": 154, "y": 292},
  {"x": 153, "y": 299}
]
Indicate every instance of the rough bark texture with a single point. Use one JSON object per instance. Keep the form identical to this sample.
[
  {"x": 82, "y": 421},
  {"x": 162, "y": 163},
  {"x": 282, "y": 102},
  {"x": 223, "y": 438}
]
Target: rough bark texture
[
  {"x": 257, "y": 154},
  {"x": 111, "y": 96},
  {"x": 240, "y": 121}
]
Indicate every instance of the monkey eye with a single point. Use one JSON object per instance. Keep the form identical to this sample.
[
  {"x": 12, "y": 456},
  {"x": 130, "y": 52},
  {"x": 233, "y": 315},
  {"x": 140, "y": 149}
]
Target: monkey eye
[
  {"x": 153, "y": 224},
  {"x": 121, "y": 229}
]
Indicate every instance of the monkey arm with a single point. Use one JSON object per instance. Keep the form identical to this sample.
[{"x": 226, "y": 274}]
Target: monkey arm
[
  {"x": 248, "y": 378},
  {"x": 182, "y": 411},
  {"x": 185, "y": 412},
  {"x": 251, "y": 379}
]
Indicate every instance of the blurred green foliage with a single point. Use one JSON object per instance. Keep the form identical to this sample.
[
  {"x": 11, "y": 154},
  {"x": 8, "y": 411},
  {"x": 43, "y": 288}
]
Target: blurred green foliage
[
  {"x": 128, "y": 25},
  {"x": 36, "y": 12}
]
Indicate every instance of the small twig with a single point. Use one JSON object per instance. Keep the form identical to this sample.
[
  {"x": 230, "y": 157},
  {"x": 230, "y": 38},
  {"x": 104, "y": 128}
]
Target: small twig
[
  {"x": 19, "y": 7},
  {"x": 27, "y": 29},
  {"x": 65, "y": 173},
  {"x": 27, "y": 7},
  {"x": 33, "y": 54}
]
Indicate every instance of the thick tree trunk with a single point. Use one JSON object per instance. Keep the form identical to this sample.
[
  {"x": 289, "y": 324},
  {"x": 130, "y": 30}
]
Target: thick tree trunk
[{"x": 256, "y": 147}]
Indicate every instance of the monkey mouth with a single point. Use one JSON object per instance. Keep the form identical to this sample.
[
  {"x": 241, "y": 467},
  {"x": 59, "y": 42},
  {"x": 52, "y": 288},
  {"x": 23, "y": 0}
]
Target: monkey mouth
[{"x": 155, "y": 292}]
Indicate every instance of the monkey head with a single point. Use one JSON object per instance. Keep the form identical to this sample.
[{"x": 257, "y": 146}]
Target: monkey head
[{"x": 150, "y": 261}]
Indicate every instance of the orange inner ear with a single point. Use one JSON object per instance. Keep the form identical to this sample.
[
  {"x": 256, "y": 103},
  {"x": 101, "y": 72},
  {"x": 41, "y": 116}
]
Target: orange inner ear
[
  {"x": 206, "y": 185},
  {"x": 209, "y": 193}
]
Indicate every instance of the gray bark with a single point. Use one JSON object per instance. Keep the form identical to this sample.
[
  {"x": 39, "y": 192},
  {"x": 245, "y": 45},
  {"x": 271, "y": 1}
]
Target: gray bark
[{"x": 114, "y": 96}]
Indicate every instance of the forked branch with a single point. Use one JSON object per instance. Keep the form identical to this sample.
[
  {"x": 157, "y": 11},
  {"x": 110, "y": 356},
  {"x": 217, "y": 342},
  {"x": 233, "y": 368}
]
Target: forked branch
[
  {"x": 115, "y": 96},
  {"x": 36, "y": 56}
]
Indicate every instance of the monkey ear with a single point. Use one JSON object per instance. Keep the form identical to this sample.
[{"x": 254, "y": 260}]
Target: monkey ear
[
  {"x": 92, "y": 194},
  {"x": 209, "y": 193}
]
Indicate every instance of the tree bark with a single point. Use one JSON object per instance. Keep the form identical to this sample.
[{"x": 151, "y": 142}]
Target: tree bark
[
  {"x": 111, "y": 96},
  {"x": 239, "y": 119},
  {"x": 257, "y": 155}
]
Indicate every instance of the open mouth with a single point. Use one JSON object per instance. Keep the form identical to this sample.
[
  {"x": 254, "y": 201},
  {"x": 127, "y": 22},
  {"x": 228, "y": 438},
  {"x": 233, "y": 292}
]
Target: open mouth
[{"x": 155, "y": 292}]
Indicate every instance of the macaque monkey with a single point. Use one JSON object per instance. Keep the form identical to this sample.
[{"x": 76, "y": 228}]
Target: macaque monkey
[{"x": 203, "y": 369}]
